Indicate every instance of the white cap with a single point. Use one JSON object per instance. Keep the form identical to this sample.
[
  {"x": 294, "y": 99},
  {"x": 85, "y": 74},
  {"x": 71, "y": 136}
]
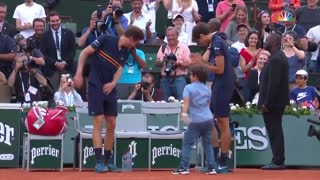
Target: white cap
[
  {"x": 302, "y": 72},
  {"x": 178, "y": 15}
]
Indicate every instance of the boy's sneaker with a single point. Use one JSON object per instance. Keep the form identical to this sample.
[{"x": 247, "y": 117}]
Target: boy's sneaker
[
  {"x": 222, "y": 169},
  {"x": 211, "y": 171},
  {"x": 180, "y": 170},
  {"x": 113, "y": 168},
  {"x": 100, "y": 167}
]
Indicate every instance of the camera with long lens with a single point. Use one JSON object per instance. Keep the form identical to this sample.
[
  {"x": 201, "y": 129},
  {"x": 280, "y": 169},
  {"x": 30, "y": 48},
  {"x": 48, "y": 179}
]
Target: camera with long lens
[
  {"x": 100, "y": 25},
  {"x": 28, "y": 48},
  {"x": 117, "y": 10},
  {"x": 169, "y": 65},
  {"x": 144, "y": 85}
]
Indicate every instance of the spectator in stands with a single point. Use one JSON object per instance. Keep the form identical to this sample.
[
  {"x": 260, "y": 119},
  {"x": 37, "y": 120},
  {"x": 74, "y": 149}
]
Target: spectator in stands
[
  {"x": 222, "y": 89},
  {"x": 91, "y": 33},
  {"x": 196, "y": 98},
  {"x": 115, "y": 22},
  {"x": 207, "y": 9},
  {"x": 189, "y": 10},
  {"x": 132, "y": 73},
  {"x": 137, "y": 18},
  {"x": 290, "y": 24},
  {"x": 296, "y": 57},
  {"x": 170, "y": 5},
  {"x": 174, "y": 60},
  {"x": 5, "y": 27},
  {"x": 277, "y": 6},
  {"x": 263, "y": 25},
  {"x": 308, "y": 16},
  {"x": 150, "y": 8},
  {"x": 58, "y": 46},
  {"x": 146, "y": 90},
  {"x": 240, "y": 17},
  {"x": 66, "y": 95},
  {"x": 178, "y": 22},
  {"x": 38, "y": 26},
  {"x": 7, "y": 55},
  {"x": 303, "y": 94},
  {"x": 254, "y": 76},
  {"x": 248, "y": 56},
  {"x": 225, "y": 10},
  {"x": 26, "y": 76},
  {"x": 25, "y": 14},
  {"x": 313, "y": 35},
  {"x": 242, "y": 30}
]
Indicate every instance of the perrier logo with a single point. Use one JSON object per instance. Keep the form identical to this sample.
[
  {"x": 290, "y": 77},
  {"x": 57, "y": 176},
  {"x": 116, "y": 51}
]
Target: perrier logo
[
  {"x": 44, "y": 151},
  {"x": 165, "y": 151}
]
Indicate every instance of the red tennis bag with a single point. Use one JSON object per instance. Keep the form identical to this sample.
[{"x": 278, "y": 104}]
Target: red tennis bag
[{"x": 47, "y": 122}]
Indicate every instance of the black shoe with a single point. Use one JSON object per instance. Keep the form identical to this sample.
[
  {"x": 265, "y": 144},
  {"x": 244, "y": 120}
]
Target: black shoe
[
  {"x": 273, "y": 166},
  {"x": 180, "y": 170}
]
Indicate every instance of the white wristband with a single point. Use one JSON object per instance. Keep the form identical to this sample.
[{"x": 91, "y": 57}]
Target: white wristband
[{"x": 184, "y": 114}]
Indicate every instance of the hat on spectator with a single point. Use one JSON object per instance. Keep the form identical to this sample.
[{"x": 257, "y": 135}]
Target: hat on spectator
[
  {"x": 242, "y": 25},
  {"x": 178, "y": 16},
  {"x": 302, "y": 72}
]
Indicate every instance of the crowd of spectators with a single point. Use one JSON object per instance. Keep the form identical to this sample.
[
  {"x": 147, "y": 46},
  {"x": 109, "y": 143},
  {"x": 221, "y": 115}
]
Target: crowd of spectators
[{"x": 37, "y": 50}]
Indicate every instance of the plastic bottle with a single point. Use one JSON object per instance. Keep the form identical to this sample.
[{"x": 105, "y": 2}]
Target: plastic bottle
[{"x": 127, "y": 161}]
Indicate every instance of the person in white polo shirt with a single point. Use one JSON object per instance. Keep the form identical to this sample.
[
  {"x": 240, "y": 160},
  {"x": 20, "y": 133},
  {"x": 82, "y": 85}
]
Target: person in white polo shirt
[
  {"x": 137, "y": 18},
  {"x": 25, "y": 14}
]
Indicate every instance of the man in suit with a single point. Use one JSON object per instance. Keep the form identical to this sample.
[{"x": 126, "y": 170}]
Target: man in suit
[
  {"x": 274, "y": 96},
  {"x": 58, "y": 46},
  {"x": 5, "y": 27}
]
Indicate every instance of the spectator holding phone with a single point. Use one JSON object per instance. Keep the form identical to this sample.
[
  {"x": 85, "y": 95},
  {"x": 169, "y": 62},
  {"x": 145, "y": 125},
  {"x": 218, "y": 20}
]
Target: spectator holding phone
[
  {"x": 66, "y": 95},
  {"x": 225, "y": 10}
]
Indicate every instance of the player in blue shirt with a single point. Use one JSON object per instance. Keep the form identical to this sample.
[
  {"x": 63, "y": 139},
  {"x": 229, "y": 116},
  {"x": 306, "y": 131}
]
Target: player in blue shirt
[
  {"x": 197, "y": 114},
  {"x": 106, "y": 68},
  {"x": 220, "y": 67},
  {"x": 304, "y": 95}
]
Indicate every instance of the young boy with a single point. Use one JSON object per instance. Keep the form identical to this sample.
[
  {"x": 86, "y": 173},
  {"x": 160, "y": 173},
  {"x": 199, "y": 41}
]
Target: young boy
[
  {"x": 196, "y": 113},
  {"x": 304, "y": 95}
]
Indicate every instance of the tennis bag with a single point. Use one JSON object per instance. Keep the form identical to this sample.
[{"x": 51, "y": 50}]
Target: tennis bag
[{"x": 47, "y": 122}]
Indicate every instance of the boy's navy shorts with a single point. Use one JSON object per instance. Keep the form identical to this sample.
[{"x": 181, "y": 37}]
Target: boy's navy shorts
[{"x": 100, "y": 103}]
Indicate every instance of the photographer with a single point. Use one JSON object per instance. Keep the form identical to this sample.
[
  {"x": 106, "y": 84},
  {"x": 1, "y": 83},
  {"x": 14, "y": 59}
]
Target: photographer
[
  {"x": 26, "y": 76},
  {"x": 174, "y": 60},
  {"x": 66, "y": 95},
  {"x": 115, "y": 20},
  {"x": 145, "y": 90}
]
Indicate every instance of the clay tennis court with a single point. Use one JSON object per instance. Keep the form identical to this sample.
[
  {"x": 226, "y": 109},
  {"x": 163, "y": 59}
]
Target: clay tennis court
[{"x": 241, "y": 174}]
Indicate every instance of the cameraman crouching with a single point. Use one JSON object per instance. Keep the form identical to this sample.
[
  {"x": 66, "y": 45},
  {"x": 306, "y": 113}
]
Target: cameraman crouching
[
  {"x": 174, "y": 60},
  {"x": 145, "y": 90},
  {"x": 26, "y": 76}
]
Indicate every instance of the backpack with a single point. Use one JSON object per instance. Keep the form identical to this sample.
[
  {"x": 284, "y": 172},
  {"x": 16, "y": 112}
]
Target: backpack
[{"x": 233, "y": 56}]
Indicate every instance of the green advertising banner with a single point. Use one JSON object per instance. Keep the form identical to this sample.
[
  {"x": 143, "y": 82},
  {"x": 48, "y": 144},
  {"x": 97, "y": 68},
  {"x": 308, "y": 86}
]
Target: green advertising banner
[
  {"x": 45, "y": 154},
  {"x": 165, "y": 153},
  {"x": 9, "y": 137},
  {"x": 253, "y": 147},
  {"x": 138, "y": 147},
  {"x": 88, "y": 159}
]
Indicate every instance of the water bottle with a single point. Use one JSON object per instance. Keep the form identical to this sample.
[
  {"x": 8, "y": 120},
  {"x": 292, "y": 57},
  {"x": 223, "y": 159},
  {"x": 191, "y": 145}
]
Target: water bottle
[{"x": 127, "y": 161}]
